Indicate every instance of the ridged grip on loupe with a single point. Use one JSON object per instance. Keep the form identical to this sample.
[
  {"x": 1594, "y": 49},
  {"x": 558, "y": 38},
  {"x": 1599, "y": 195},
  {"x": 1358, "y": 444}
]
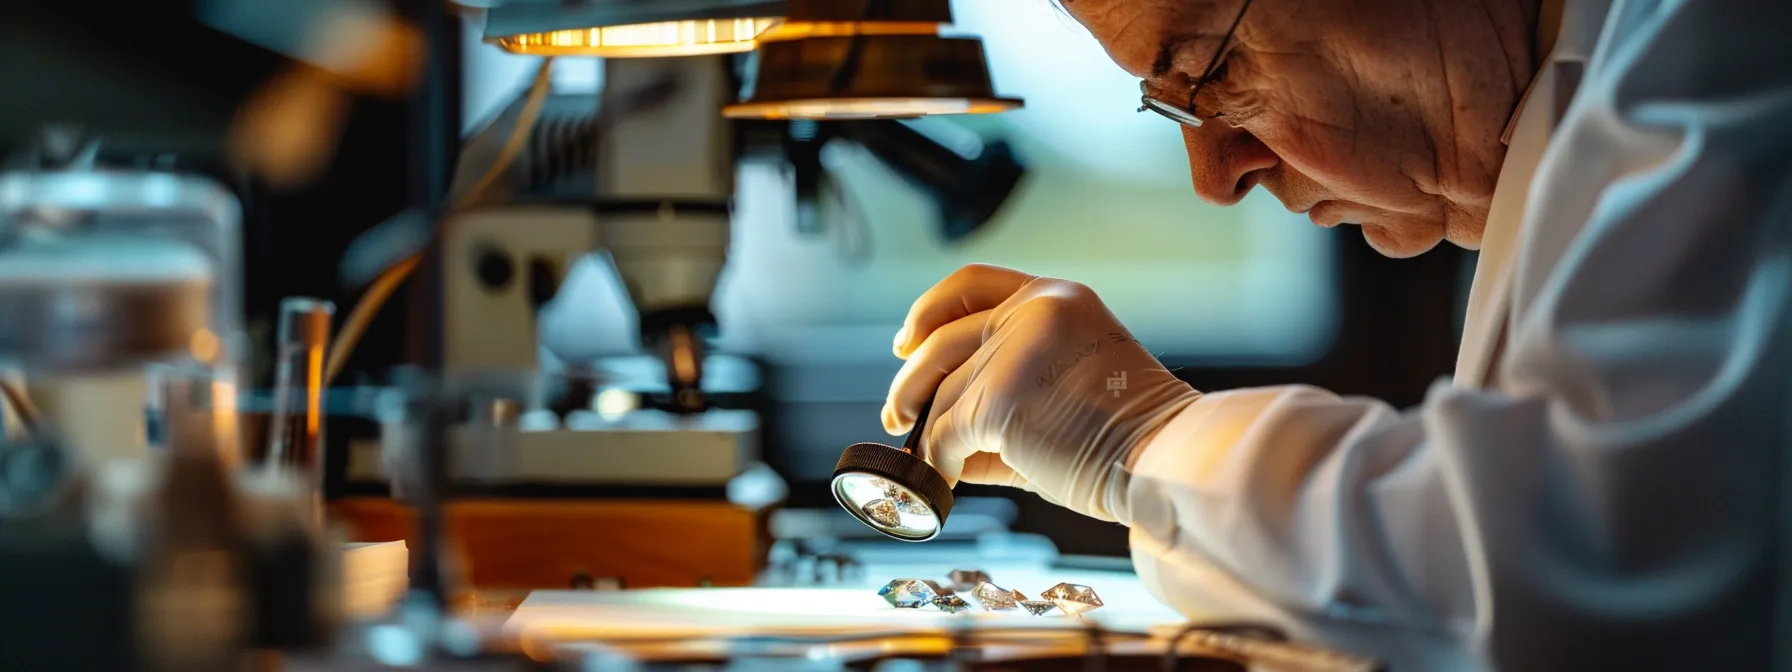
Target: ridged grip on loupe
[{"x": 902, "y": 466}]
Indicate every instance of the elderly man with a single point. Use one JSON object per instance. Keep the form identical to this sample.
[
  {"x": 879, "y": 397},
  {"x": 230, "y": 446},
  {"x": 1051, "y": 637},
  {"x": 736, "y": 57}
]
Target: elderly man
[{"x": 1600, "y": 487}]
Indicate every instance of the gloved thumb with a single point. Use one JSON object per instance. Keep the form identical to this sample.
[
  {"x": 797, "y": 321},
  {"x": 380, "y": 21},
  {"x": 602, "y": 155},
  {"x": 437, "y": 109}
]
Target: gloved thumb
[{"x": 989, "y": 469}]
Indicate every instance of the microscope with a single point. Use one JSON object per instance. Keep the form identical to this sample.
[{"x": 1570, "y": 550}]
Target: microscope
[
  {"x": 643, "y": 175},
  {"x": 575, "y": 496}
]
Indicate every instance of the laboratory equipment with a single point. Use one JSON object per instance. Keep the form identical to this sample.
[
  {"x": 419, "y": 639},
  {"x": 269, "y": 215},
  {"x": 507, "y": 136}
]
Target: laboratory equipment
[
  {"x": 295, "y": 425},
  {"x": 652, "y": 192},
  {"x": 867, "y": 59},
  {"x": 183, "y": 561}
]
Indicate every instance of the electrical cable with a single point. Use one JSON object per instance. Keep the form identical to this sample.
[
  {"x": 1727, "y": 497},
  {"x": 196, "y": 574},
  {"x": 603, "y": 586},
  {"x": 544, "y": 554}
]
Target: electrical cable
[
  {"x": 388, "y": 281},
  {"x": 855, "y": 48}
]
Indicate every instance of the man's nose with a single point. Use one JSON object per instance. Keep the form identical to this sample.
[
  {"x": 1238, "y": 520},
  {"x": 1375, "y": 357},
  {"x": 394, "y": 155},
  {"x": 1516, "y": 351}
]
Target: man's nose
[{"x": 1225, "y": 162}]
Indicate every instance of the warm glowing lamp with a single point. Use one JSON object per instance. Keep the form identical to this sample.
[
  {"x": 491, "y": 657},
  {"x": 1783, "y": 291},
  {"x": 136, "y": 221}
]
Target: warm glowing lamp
[
  {"x": 866, "y": 59},
  {"x": 630, "y": 28}
]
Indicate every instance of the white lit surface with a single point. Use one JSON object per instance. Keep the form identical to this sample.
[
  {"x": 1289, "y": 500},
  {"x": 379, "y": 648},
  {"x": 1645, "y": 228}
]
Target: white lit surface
[
  {"x": 916, "y": 521},
  {"x": 695, "y": 621},
  {"x": 716, "y": 612}
]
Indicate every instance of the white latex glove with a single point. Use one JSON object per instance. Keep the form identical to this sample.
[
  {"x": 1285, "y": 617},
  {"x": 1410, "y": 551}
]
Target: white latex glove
[{"x": 1039, "y": 387}]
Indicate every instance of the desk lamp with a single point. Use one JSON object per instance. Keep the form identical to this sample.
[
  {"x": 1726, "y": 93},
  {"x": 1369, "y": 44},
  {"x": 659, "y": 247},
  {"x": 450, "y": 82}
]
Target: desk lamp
[
  {"x": 866, "y": 59},
  {"x": 630, "y": 28},
  {"x": 811, "y": 59}
]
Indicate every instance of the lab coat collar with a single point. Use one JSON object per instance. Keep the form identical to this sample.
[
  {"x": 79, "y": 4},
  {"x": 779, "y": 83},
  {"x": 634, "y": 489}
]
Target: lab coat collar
[
  {"x": 1527, "y": 135},
  {"x": 1549, "y": 27}
]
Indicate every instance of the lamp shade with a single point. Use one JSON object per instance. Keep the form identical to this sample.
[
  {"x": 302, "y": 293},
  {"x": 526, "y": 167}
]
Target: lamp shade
[
  {"x": 924, "y": 11},
  {"x": 866, "y": 59},
  {"x": 868, "y": 76}
]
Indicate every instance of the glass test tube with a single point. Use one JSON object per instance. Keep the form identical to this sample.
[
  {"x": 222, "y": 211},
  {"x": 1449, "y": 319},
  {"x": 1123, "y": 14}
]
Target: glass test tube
[{"x": 296, "y": 422}]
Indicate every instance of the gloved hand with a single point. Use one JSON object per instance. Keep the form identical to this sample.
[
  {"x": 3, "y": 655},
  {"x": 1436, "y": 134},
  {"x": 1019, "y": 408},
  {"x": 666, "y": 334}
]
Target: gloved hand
[{"x": 1038, "y": 387}]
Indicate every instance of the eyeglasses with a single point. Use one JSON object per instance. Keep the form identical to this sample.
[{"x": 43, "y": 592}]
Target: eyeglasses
[{"x": 1185, "y": 114}]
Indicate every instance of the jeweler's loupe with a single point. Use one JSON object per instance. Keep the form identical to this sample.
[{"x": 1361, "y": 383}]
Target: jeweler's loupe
[{"x": 894, "y": 490}]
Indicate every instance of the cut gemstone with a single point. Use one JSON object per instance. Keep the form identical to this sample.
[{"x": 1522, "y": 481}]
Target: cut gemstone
[
  {"x": 906, "y": 501},
  {"x": 996, "y": 598},
  {"x": 882, "y": 512},
  {"x": 951, "y": 604},
  {"x": 1072, "y": 598},
  {"x": 911, "y": 593},
  {"x": 967, "y": 579},
  {"x": 1038, "y": 607}
]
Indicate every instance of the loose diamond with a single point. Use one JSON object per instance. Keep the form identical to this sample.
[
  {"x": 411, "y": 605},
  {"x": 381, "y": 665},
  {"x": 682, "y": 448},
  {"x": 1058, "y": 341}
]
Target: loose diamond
[
  {"x": 996, "y": 598},
  {"x": 1072, "y": 598},
  {"x": 951, "y": 604},
  {"x": 905, "y": 500},
  {"x": 1038, "y": 607},
  {"x": 911, "y": 593},
  {"x": 882, "y": 512},
  {"x": 966, "y": 579}
]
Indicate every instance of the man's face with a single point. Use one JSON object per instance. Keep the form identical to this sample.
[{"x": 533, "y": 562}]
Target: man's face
[{"x": 1381, "y": 113}]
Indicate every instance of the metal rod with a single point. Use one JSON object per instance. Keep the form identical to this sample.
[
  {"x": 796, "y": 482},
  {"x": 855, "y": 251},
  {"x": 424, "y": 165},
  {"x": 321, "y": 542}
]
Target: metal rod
[
  {"x": 429, "y": 417},
  {"x": 434, "y": 151},
  {"x": 912, "y": 444}
]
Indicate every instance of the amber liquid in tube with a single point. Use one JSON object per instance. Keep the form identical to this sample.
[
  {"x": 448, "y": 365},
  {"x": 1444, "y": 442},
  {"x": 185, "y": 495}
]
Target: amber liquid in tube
[{"x": 296, "y": 421}]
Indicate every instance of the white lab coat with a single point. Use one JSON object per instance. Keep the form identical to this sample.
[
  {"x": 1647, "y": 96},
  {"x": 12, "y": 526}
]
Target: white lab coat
[{"x": 1611, "y": 497}]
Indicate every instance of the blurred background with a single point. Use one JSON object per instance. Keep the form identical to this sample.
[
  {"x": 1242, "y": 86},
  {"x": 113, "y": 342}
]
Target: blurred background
[{"x": 819, "y": 276}]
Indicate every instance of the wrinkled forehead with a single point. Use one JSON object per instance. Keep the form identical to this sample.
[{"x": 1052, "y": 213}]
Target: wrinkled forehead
[{"x": 1141, "y": 36}]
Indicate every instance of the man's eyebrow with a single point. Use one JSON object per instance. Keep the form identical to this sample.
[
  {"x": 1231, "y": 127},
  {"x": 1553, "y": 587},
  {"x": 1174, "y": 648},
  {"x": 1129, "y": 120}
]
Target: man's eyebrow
[{"x": 1166, "y": 55}]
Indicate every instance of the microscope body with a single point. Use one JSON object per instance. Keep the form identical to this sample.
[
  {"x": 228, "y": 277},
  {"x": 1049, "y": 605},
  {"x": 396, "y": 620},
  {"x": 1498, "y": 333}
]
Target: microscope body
[{"x": 658, "y": 210}]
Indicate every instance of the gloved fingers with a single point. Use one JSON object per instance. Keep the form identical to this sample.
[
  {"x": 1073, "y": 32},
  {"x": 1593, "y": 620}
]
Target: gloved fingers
[
  {"x": 950, "y": 394},
  {"x": 944, "y": 441},
  {"x": 944, "y": 352},
  {"x": 969, "y": 290},
  {"x": 1048, "y": 498},
  {"x": 989, "y": 469}
]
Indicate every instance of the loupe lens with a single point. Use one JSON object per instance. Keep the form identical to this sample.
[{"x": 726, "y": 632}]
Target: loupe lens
[
  {"x": 887, "y": 506},
  {"x": 892, "y": 491}
]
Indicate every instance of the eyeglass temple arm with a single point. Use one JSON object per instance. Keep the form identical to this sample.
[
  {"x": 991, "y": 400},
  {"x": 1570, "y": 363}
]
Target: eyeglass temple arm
[{"x": 1214, "y": 63}]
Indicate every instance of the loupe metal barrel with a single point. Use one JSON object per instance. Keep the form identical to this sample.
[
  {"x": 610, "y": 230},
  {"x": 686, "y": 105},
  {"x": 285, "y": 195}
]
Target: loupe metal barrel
[{"x": 892, "y": 491}]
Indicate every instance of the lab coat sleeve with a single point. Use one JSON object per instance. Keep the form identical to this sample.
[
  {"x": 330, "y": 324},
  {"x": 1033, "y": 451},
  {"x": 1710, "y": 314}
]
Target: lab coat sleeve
[{"x": 1617, "y": 499}]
